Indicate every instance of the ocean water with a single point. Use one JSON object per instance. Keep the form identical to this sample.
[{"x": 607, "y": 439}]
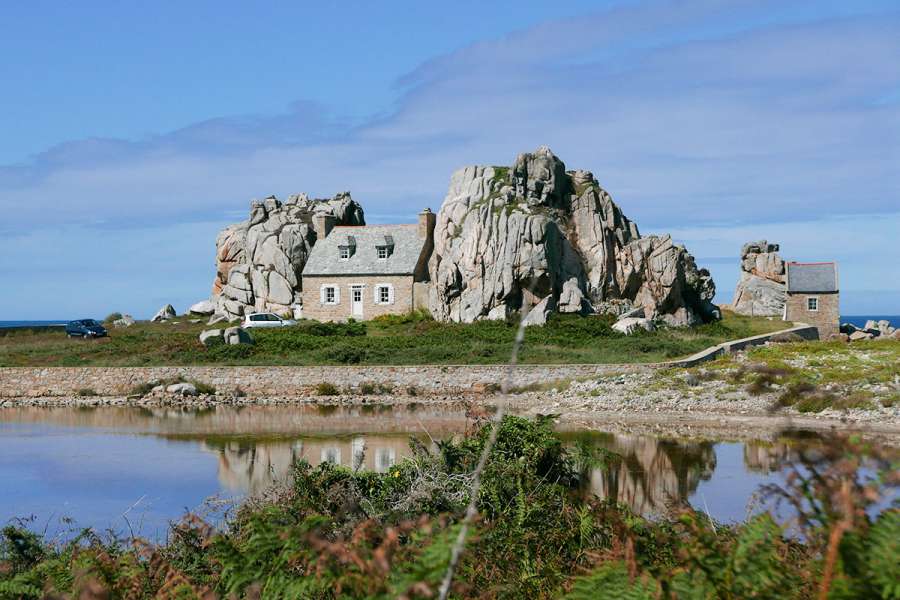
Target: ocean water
[
  {"x": 47, "y": 323},
  {"x": 860, "y": 320}
]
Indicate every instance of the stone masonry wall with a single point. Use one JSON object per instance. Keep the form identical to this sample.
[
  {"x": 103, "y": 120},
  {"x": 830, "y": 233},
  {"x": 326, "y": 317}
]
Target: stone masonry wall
[
  {"x": 314, "y": 309},
  {"x": 286, "y": 381},
  {"x": 826, "y": 318}
]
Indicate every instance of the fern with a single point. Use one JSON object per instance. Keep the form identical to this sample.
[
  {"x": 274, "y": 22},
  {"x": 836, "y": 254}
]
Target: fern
[
  {"x": 613, "y": 581},
  {"x": 16, "y": 589}
]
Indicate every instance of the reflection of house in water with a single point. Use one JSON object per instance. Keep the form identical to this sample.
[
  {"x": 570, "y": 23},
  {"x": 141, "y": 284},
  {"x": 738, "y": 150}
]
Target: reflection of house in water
[
  {"x": 761, "y": 457},
  {"x": 252, "y": 467},
  {"x": 653, "y": 474}
]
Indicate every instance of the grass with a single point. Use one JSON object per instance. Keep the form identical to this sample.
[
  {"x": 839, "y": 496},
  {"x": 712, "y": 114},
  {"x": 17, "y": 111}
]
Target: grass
[
  {"x": 402, "y": 340},
  {"x": 814, "y": 376}
]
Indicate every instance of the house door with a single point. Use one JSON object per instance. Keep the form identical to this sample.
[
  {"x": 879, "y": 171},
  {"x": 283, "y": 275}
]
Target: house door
[{"x": 356, "y": 300}]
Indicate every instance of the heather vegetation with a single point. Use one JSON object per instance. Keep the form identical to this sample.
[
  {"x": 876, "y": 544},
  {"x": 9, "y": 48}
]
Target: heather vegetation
[
  {"x": 399, "y": 339},
  {"x": 335, "y": 532}
]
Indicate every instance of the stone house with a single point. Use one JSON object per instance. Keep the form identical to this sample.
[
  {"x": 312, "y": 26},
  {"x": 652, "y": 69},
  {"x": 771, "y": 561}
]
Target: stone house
[
  {"x": 364, "y": 271},
  {"x": 812, "y": 296}
]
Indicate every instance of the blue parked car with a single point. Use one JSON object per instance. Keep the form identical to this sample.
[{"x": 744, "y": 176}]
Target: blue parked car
[{"x": 85, "y": 328}]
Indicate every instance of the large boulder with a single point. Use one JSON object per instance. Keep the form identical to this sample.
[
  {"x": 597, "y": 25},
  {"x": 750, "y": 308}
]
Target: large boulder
[
  {"x": 507, "y": 238},
  {"x": 761, "y": 289},
  {"x": 212, "y": 337},
  {"x": 204, "y": 308},
  {"x": 165, "y": 313},
  {"x": 259, "y": 261}
]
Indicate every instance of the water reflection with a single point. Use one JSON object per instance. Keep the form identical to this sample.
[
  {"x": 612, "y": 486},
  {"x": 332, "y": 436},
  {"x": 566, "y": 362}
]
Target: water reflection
[{"x": 91, "y": 465}]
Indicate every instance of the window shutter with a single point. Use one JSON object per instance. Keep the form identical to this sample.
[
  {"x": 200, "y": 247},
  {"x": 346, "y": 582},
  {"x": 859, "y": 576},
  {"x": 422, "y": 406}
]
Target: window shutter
[
  {"x": 337, "y": 294},
  {"x": 390, "y": 294},
  {"x": 375, "y": 294},
  {"x": 322, "y": 294}
]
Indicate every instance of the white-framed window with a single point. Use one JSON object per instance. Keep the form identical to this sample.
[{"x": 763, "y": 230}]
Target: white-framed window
[
  {"x": 345, "y": 252},
  {"x": 812, "y": 303},
  {"x": 384, "y": 293},
  {"x": 331, "y": 454},
  {"x": 330, "y": 294},
  {"x": 382, "y": 252}
]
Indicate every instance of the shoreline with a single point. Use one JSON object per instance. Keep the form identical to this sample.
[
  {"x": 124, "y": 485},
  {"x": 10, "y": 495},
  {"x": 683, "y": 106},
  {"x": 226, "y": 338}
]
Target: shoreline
[{"x": 702, "y": 420}]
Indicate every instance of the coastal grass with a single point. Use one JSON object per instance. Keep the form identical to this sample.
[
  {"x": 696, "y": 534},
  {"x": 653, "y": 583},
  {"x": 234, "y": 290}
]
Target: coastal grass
[
  {"x": 409, "y": 339},
  {"x": 811, "y": 376}
]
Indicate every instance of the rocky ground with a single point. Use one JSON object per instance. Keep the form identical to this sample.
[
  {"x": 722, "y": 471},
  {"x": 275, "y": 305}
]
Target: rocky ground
[{"x": 813, "y": 386}]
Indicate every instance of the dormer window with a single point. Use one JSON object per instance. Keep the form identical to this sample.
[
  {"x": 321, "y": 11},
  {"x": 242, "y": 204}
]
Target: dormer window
[
  {"x": 384, "y": 247},
  {"x": 347, "y": 247}
]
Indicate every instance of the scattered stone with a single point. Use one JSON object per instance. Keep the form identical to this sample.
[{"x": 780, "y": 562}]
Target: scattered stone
[
  {"x": 182, "y": 389},
  {"x": 203, "y": 308},
  {"x": 514, "y": 236},
  {"x": 691, "y": 379},
  {"x": 630, "y": 325},
  {"x": 124, "y": 321},
  {"x": 211, "y": 337},
  {"x": 860, "y": 335},
  {"x": 235, "y": 335},
  {"x": 839, "y": 337},
  {"x": 164, "y": 314}
]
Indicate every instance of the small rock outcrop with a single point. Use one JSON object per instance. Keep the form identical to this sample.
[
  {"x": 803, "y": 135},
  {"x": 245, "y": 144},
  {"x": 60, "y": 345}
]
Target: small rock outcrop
[
  {"x": 123, "y": 321},
  {"x": 165, "y": 313},
  {"x": 761, "y": 289},
  {"x": 259, "y": 261},
  {"x": 536, "y": 235}
]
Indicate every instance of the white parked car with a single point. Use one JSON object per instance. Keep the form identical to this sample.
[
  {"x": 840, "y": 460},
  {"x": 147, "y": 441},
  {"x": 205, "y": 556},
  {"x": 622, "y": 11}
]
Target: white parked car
[{"x": 265, "y": 320}]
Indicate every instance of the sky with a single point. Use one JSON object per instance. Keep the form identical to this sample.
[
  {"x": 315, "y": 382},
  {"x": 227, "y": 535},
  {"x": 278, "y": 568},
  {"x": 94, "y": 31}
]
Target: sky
[{"x": 131, "y": 133}]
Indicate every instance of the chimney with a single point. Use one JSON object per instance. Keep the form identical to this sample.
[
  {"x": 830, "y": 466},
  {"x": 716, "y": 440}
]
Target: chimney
[
  {"x": 427, "y": 219},
  {"x": 323, "y": 223}
]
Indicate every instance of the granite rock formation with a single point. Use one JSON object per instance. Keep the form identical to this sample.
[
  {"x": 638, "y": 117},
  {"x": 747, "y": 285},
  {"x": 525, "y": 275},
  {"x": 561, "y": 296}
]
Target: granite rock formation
[
  {"x": 761, "y": 289},
  {"x": 259, "y": 261},
  {"x": 509, "y": 238}
]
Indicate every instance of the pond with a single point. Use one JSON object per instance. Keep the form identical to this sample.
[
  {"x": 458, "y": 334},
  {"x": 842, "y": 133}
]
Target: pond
[{"x": 133, "y": 470}]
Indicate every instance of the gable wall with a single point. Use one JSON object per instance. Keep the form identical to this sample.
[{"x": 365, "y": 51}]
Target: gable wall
[{"x": 826, "y": 318}]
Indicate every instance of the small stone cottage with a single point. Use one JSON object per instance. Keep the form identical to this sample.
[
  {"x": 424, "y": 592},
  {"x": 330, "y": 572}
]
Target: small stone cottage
[
  {"x": 812, "y": 296},
  {"x": 364, "y": 271}
]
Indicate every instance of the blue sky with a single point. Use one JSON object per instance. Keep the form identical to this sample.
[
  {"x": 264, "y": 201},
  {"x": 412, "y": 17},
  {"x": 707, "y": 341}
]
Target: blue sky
[{"x": 132, "y": 133}]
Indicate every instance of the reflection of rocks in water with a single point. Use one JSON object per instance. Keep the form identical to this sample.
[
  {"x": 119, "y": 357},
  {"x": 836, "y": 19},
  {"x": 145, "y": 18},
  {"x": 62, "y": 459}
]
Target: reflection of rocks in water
[
  {"x": 252, "y": 467},
  {"x": 761, "y": 457},
  {"x": 653, "y": 474}
]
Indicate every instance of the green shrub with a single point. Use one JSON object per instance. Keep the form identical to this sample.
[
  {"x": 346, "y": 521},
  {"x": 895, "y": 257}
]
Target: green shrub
[
  {"x": 112, "y": 317},
  {"x": 85, "y": 392},
  {"x": 204, "y": 388},
  {"x": 327, "y": 389}
]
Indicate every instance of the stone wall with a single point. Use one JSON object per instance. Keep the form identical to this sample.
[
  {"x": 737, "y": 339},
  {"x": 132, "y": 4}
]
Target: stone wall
[
  {"x": 826, "y": 318},
  {"x": 313, "y": 308},
  {"x": 287, "y": 381}
]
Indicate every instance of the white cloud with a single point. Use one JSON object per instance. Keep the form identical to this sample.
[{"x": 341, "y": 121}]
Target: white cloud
[{"x": 688, "y": 113}]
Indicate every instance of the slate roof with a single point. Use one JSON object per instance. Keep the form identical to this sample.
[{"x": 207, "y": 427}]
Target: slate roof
[
  {"x": 812, "y": 277},
  {"x": 324, "y": 259}
]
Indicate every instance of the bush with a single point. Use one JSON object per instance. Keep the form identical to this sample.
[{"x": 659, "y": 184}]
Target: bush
[
  {"x": 142, "y": 389},
  {"x": 112, "y": 317},
  {"x": 327, "y": 389},
  {"x": 86, "y": 392},
  {"x": 204, "y": 388}
]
